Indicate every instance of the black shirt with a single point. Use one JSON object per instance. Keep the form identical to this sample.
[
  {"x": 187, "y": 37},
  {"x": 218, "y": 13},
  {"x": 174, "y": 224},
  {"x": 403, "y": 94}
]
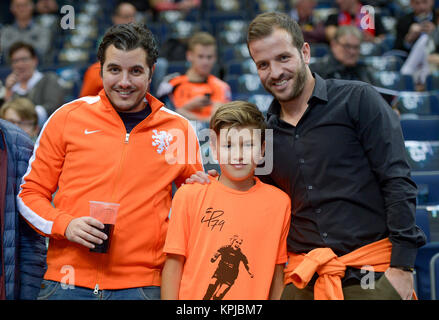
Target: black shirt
[
  {"x": 132, "y": 119},
  {"x": 344, "y": 167}
]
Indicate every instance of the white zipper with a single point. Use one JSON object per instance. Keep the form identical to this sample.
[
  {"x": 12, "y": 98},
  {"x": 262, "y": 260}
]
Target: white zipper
[{"x": 127, "y": 137}]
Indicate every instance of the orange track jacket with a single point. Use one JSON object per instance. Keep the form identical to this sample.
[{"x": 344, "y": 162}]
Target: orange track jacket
[{"x": 85, "y": 152}]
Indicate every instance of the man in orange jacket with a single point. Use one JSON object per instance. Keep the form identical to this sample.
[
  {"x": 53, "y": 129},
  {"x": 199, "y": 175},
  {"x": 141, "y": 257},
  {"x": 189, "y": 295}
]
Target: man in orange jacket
[{"x": 122, "y": 146}]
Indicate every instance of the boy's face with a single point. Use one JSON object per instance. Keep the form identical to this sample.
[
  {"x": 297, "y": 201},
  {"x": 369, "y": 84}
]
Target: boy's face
[
  {"x": 238, "y": 151},
  {"x": 202, "y": 59}
]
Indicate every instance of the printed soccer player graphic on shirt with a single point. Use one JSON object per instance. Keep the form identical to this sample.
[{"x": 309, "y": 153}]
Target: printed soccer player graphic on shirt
[{"x": 228, "y": 269}]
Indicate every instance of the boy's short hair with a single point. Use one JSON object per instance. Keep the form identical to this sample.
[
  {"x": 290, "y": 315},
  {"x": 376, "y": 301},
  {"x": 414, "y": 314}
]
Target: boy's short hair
[
  {"x": 202, "y": 38},
  {"x": 238, "y": 114}
]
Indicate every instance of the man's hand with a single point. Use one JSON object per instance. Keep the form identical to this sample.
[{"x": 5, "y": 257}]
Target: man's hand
[
  {"x": 427, "y": 27},
  {"x": 201, "y": 177},
  {"x": 402, "y": 281},
  {"x": 84, "y": 230},
  {"x": 11, "y": 79},
  {"x": 197, "y": 103}
]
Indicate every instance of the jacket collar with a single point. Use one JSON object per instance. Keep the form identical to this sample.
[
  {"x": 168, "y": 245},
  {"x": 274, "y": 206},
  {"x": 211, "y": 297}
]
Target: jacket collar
[{"x": 153, "y": 102}]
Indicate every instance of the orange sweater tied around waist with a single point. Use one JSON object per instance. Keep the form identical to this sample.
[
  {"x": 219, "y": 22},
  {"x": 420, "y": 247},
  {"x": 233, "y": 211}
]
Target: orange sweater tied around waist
[{"x": 331, "y": 268}]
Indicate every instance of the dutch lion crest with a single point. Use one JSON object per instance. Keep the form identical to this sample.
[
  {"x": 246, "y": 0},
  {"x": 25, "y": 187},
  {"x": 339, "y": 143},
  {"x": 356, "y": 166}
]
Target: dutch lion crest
[{"x": 161, "y": 140}]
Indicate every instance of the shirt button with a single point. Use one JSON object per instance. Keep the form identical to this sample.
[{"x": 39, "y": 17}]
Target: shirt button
[
  {"x": 324, "y": 234},
  {"x": 309, "y": 187},
  {"x": 302, "y": 161},
  {"x": 318, "y": 210},
  {"x": 297, "y": 136}
]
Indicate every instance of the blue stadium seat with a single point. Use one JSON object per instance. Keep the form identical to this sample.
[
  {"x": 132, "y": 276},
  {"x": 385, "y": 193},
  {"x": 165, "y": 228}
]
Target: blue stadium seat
[
  {"x": 238, "y": 67},
  {"x": 319, "y": 50},
  {"x": 418, "y": 103},
  {"x": 423, "y": 156},
  {"x": 424, "y": 283},
  {"x": 420, "y": 129},
  {"x": 432, "y": 82},
  {"x": 4, "y": 72},
  {"x": 393, "y": 80},
  {"x": 430, "y": 180},
  {"x": 246, "y": 83},
  {"x": 383, "y": 63},
  {"x": 234, "y": 52},
  {"x": 262, "y": 101}
]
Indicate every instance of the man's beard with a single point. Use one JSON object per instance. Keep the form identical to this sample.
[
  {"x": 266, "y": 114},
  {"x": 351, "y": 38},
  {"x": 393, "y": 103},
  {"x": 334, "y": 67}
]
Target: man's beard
[{"x": 299, "y": 81}]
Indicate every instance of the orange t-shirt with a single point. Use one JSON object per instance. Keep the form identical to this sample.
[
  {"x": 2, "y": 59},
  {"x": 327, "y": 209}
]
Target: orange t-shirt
[
  {"x": 92, "y": 82},
  {"x": 231, "y": 239},
  {"x": 184, "y": 91}
]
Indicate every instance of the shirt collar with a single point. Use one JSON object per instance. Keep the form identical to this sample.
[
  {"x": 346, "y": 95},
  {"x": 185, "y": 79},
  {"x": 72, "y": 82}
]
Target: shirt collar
[
  {"x": 36, "y": 77},
  {"x": 319, "y": 93}
]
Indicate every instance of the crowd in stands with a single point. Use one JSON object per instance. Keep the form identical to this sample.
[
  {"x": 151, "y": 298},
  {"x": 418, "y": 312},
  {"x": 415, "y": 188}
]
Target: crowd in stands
[
  {"x": 203, "y": 57},
  {"x": 390, "y": 44}
]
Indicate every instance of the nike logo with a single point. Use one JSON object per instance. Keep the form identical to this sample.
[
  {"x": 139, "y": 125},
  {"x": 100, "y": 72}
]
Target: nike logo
[{"x": 90, "y": 132}]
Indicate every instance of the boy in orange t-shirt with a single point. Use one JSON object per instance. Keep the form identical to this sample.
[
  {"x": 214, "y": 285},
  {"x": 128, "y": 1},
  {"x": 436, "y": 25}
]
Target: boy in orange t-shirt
[{"x": 227, "y": 239}]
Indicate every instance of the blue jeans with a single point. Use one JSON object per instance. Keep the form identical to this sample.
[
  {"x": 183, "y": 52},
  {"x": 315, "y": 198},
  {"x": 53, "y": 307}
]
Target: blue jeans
[{"x": 53, "y": 290}]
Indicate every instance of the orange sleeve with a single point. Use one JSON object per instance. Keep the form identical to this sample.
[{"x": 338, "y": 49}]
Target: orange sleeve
[
  {"x": 92, "y": 82},
  {"x": 192, "y": 157},
  {"x": 41, "y": 180},
  {"x": 178, "y": 230},
  {"x": 221, "y": 92},
  {"x": 282, "y": 255}
]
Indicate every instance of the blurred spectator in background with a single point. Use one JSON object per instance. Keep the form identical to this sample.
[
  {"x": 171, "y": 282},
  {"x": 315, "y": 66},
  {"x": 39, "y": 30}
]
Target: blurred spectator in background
[
  {"x": 124, "y": 12},
  {"x": 182, "y": 5},
  {"x": 46, "y": 7},
  {"x": 42, "y": 89},
  {"x": 22, "y": 113},
  {"x": 422, "y": 20},
  {"x": 351, "y": 13},
  {"x": 303, "y": 12},
  {"x": 342, "y": 62},
  {"x": 197, "y": 93},
  {"x": 25, "y": 29}
]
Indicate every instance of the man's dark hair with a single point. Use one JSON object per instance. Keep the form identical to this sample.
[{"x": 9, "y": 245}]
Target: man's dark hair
[
  {"x": 22, "y": 45},
  {"x": 128, "y": 37}
]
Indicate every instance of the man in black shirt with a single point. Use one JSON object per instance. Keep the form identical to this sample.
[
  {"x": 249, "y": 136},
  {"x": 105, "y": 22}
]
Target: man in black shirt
[{"x": 339, "y": 153}]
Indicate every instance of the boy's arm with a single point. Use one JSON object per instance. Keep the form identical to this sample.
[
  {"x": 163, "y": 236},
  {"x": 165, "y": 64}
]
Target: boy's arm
[
  {"x": 171, "y": 276},
  {"x": 277, "y": 284}
]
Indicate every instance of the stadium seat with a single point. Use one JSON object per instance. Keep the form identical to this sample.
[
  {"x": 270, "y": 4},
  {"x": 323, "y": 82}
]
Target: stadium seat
[
  {"x": 383, "y": 63},
  {"x": 421, "y": 129},
  {"x": 417, "y": 103},
  {"x": 319, "y": 50},
  {"x": 238, "y": 67},
  {"x": 431, "y": 182},
  {"x": 432, "y": 82},
  {"x": 427, "y": 261},
  {"x": 393, "y": 80},
  {"x": 234, "y": 52},
  {"x": 246, "y": 83},
  {"x": 262, "y": 101},
  {"x": 423, "y": 156}
]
